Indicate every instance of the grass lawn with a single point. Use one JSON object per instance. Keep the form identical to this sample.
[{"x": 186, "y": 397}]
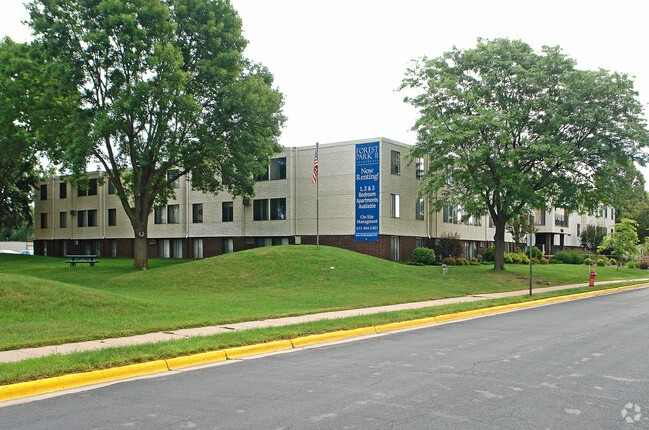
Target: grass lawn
[{"x": 43, "y": 301}]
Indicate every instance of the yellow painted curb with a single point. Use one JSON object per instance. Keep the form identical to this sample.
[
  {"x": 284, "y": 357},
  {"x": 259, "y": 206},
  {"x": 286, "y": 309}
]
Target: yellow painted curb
[
  {"x": 405, "y": 324},
  {"x": 261, "y": 348},
  {"x": 65, "y": 382},
  {"x": 458, "y": 315},
  {"x": 328, "y": 337},
  {"x": 195, "y": 359}
]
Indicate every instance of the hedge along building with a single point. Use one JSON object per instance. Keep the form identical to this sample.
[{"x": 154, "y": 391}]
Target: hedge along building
[{"x": 368, "y": 202}]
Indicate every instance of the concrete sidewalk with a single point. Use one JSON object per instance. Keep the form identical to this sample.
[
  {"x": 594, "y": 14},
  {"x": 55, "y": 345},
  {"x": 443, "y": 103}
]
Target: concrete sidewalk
[{"x": 22, "y": 354}]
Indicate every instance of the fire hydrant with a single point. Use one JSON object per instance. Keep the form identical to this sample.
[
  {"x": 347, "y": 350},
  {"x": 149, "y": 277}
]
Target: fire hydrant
[{"x": 592, "y": 278}]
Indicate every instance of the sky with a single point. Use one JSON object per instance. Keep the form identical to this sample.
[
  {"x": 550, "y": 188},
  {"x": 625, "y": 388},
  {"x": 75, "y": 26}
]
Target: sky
[{"x": 339, "y": 63}]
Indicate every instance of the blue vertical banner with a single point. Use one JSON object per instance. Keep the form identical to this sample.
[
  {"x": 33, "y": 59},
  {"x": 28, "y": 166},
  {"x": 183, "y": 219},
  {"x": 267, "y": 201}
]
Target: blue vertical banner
[{"x": 367, "y": 192}]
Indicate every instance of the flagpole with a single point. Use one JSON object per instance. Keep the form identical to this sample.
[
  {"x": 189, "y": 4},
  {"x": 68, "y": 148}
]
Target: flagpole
[{"x": 317, "y": 203}]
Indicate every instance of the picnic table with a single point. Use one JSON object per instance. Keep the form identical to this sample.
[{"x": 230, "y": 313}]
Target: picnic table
[{"x": 87, "y": 259}]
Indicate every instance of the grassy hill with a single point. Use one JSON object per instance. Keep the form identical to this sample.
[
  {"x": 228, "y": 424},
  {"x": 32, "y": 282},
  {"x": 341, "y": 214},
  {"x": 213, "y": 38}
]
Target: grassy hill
[{"x": 44, "y": 301}]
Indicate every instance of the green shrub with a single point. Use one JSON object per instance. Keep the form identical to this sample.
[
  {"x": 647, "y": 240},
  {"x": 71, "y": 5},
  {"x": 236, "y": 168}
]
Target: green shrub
[
  {"x": 588, "y": 261},
  {"x": 570, "y": 257},
  {"x": 490, "y": 253},
  {"x": 413, "y": 263},
  {"x": 536, "y": 260},
  {"x": 612, "y": 262},
  {"x": 424, "y": 255},
  {"x": 555, "y": 261},
  {"x": 449, "y": 245},
  {"x": 525, "y": 259},
  {"x": 631, "y": 264},
  {"x": 461, "y": 261},
  {"x": 508, "y": 258},
  {"x": 643, "y": 264},
  {"x": 544, "y": 260},
  {"x": 601, "y": 262},
  {"x": 516, "y": 257},
  {"x": 449, "y": 261},
  {"x": 536, "y": 253}
]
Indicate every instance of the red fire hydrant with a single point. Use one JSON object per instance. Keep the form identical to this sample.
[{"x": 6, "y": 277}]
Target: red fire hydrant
[{"x": 592, "y": 278}]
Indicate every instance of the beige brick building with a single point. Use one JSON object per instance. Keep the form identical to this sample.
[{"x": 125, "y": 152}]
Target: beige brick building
[{"x": 196, "y": 225}]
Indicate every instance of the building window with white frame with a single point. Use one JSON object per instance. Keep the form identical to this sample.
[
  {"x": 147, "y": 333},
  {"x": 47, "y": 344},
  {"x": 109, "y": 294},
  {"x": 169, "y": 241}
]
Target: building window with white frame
[
  {"x": 395, "y": 162},
  {"x": 278, "y": 209},
  {"x": 260, "y": 210},
  {"x": 277, "y": 168},
  {"x": 197, "y": 213},
  {"x": 160, "y": 215},
  {"x": 394, "y": 248},
  {"x": 228, "y": 246},
  {"x": 394, "y": 205},
  {"x": 63, "y": 220},
  {"x": 176, "y": 182},
  {"x": 419, "y": 168},
  {"x": 173, "y": 214},
  {"x": 448, "y": 213},
  {"x": 227, "y": 211},
  {"x": 419, "y": 210},
  {"x": 197, "y": 245}
]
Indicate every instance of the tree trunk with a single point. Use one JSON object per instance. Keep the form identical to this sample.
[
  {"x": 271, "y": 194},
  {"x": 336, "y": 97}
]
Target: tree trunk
[
  {"x": 499, "y": 245},
  {"x": 140, "y": 255}
]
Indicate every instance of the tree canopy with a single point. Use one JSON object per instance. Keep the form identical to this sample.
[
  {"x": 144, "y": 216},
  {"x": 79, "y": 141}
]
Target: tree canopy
[
  {"x": 163, "y": 91},
  {"x": 516, "y": 130},
  {"x": 623, "y": 241}
]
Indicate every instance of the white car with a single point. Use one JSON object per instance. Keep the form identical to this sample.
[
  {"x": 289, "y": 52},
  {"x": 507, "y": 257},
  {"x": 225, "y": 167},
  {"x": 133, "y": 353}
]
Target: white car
[
  {"x": 27, "y": 252},
  {"x": 7, "y": 251}
]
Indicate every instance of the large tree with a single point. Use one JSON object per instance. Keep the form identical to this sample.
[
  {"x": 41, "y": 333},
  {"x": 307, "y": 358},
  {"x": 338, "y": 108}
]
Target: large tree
[
  {"x": 517, "y": 130},
  {"x": 165, "y": 91},
  {"x": 18, "y": 161}
]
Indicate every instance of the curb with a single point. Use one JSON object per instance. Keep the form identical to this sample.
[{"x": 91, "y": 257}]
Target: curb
[{"x": 75, "y": 380}]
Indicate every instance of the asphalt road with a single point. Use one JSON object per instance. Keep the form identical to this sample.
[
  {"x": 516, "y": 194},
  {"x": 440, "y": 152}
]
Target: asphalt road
[{"x": 576, "y": 365}]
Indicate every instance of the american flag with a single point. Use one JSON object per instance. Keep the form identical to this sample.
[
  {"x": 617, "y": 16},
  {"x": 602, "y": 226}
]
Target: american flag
[{"x": 315, "y": 167}]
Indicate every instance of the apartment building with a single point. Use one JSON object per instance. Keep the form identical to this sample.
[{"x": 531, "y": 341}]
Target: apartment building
[{"x": 367, "y": 202}]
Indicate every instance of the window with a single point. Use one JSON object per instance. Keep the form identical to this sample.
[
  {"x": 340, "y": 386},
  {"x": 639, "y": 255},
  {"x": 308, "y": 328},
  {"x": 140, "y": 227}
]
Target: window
[
  {"x": 173, "y": 214},
  {"x": 394, "y": 248},
  {"x": 612, "y": 213},
  {"x": 112, "y": 217},
  {"x": 474, "y": 220},
  {"x": 176, "y": 182},
  {"x": 419, "y": 168},
  {"x": 170, "y": 248},
  {"x": 228, "y": 246},
  {"x": 578, "y": 230},
  {"x": 260, "y": 210},
  {"x": 92, "y": 187},
  {"x": 395, "y": 162},
  {"x": 112, "y": 248},
  {"x": 43, "y": 192},
  {"x": 262, "y": 176},
  {"x": 63, "y": 190},
  {"x": 278, "y": 168},
  {"x": 278, "y": 209},
  {"x": 419, "y": 242},
  {"x": 419, "y": 210},
  {"x": 605, "y": 212},
  {"x": 394, "y": 205},
  {"x": 160, "y": 216},
  {"x": 111, "y": 187},
  {"x": 227, "y": 211},
  {"x": 197, "y": 245},
  {"x": 197, "y": 212},
  {"x": 63, "y": 219},
  {"x": 92, "y": 218},
  {"x": 448, "y": 213},
  {"x": 43, "y": 220},
  {"x": 82, "y": 219}
]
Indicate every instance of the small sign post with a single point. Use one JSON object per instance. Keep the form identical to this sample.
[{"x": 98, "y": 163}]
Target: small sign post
[{"x": 530, "y": 243}]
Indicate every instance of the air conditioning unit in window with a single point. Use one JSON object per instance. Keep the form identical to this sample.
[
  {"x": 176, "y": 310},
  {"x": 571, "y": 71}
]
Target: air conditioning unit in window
[
  {"x": 73, "y": 212},
  {"x": 246, "y": 202}
]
